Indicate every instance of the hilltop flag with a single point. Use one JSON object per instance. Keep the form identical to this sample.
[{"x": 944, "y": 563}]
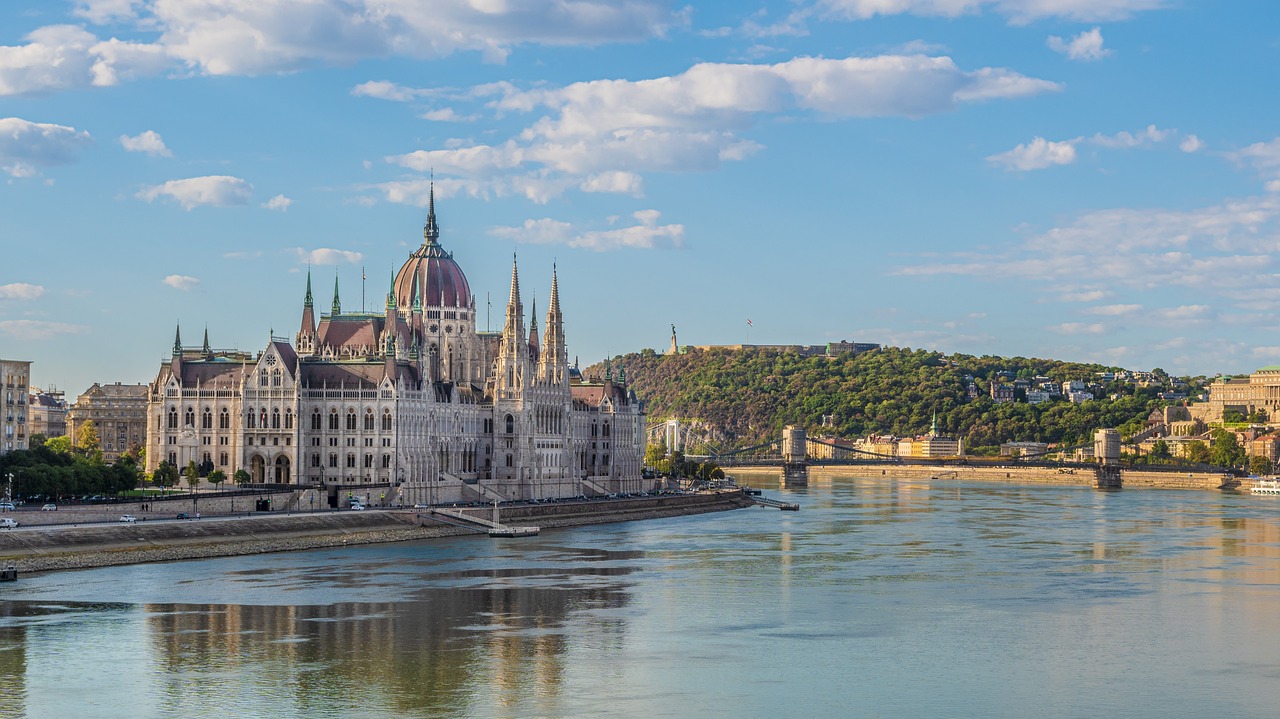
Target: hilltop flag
[{"x": 749, "y": 323}]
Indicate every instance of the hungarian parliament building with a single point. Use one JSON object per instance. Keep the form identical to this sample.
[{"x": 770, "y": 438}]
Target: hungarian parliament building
[{"x": 413, "y": 399}]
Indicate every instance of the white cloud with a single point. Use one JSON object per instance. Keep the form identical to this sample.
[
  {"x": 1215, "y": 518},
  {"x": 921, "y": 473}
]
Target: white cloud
[
  {"x": 192, "y": 192},
  {"x": 1114, "y": 310},
  {"x": 1036, "y": 155},
  {"x": 20, "y": 291},
  {"x": 60, "y": 57},
  {"x": 1085, "y": 46},
  {"x": 384, "y": 90},
  {"x": 600, "y": 135},
  {"x": 447, "y": 114},
  {"x": 627, "y": 183},
  {"x": 1149, "y": 136},
  {"x": 242, "y": 255},
  {"x": 279, "y": 202},
  {"x": 1079, "y": 328},
  {"x": 1018, "y": 11},
  {"x": 181, "y": 282},
  {"x": 1262, "y": 156},
  {"x": 26, "y": 146},
  {"x": 647, "y": 234},
  {"x": 326, "y": 256},
  {"x": 100, "y": 12},
  {"x": 1190, "y": 143},
  {"x": 149, "y": 142},
  {"x": 38, "y": 330}
]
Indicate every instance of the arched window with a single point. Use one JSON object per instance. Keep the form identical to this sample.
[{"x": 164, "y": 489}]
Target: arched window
[
  {"x": 262, "y": 378},
  {"x": 508, "y": 460},
  {"x": 264, "y": 417},
  {"x": 275, "y": 377},
  {"x": 315, "y": 419},
  {"x": 251, "y": 419},
  {"x": 333, "y": 419},
  {"x": 368, "y": 420},
  {"x": 605, "y": 432},
  {"x": 511, "y": 428},
  {"x": 288, "y": 419},
  {"x": 275, "y": 418},
  {"x": 351, "y": 419},
  {"x": 386, "y": 420},
  {"x": 224, "y": 420},
  {"x": 206, "y": 419},
  {"x": 189, "y": 418},
  {"x": 173, "y": 418},
  {"x": 351, "y": 460}
]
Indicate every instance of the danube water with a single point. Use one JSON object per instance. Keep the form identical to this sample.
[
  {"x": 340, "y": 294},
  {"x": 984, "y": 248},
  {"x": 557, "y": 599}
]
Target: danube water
[{"x": 878, "y": 599}]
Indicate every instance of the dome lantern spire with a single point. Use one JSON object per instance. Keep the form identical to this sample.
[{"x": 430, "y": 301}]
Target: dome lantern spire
[{"x": 431, "y": 232}]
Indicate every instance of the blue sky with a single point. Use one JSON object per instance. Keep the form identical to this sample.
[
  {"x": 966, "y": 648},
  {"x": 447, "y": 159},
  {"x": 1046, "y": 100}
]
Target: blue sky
[{"x": 1093, "y": 180}]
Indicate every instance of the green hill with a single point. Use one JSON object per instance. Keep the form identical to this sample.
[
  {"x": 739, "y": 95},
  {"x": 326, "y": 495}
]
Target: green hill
[{"x": 749, "y": 395}]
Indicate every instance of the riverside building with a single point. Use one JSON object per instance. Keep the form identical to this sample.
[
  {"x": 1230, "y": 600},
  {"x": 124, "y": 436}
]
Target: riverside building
[{"x": 413, "y": 399}]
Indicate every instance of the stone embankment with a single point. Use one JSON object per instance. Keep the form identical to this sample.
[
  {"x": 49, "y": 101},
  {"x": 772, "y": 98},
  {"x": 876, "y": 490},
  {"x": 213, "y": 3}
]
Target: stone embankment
[
  {"x": 1028, "y": 475},
  {"x": 58, "y": 547}
]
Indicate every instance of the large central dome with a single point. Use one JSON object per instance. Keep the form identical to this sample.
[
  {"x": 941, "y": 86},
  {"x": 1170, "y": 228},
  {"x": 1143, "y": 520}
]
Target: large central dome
[{"x": 431, "y": 273}]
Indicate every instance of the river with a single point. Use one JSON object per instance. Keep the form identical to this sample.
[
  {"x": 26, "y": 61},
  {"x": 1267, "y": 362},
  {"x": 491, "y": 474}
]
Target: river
[{"x": 878, "y": 599}]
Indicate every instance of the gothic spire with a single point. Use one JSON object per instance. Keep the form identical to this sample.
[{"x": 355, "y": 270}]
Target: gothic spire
[
  {"x": 431, "y": 232},
  {"x": 514, "y": 300},
  {"x": 337, "y": 304},
  {"x": 554, "y": 309},
  {"x": 306, "y": 302},
  {"x": 204, "y": 349},
  {"x": 391, "y": 292},
  {"x": 177, "y": 340}
]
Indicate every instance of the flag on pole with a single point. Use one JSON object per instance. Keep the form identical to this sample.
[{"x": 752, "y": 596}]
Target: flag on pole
[{"x": 749, "y": 323}]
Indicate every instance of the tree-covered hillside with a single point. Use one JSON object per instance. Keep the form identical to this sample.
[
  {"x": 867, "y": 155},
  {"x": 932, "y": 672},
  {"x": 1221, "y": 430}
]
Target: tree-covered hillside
[{"x": 751, "y": 394}]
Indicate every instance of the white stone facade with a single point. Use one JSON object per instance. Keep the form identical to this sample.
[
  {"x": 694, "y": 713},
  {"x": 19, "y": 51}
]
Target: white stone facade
[{"x": 412, "y": 405}]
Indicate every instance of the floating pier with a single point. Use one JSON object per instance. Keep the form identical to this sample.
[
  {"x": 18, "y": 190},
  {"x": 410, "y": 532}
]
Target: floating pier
[{"x": 775, "y": 503}]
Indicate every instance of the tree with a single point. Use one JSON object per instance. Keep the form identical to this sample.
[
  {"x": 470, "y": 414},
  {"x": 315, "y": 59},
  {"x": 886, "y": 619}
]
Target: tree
[
  {"x": 1258, "y": 416},
  {"x": 37, "y": 440},
  {"x": 1259, "y": 465},
  {"x": 165, "y": 476},
  {"x": 1226, "y": 450},
  {"x": 192, "y": 474},
  {"x": 241, "y": 478},
  {"x": 1231, "y": 416},
  {"x": 1160, "y": 450},
  {"x": 61, "y": 445},
  {"x": 1197, "y": 452},
  {"x": 217, "y": 477},
  {"x": 87, "y": 441}
]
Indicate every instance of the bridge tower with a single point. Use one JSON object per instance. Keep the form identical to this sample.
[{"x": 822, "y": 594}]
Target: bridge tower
[
  {"x": 795, "y": 466},
  {"x": 1106, "y": 450}
]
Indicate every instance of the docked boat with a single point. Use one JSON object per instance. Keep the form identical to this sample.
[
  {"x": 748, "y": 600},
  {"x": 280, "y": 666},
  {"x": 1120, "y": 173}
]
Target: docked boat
[{"x": 1266, "y": 486}]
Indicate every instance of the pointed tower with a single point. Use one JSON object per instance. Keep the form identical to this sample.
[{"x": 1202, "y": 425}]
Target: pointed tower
[
  {"x": 553, "y": 361},
  {"x": 933, "y": 428},
  {"x": 533, "y": 331},
  {"x": 306, "y": 339},
  {"x": 513, "y": 355},
  {"x": 205, "y": 350},
  {"x": 337, "y": 304},
  {"x": 175, "y": 364}
]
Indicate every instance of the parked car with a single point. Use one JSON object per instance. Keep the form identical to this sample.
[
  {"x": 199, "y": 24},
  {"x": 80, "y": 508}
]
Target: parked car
[
  {"x": 183, "y": 515},
  {"x": 357, "y": 505},
  {"x": 128, "y": 518},
  {"x": 7, "y": 523},
  {"x": 50, "y": 507},
  {"x": 6, "y": 507}
]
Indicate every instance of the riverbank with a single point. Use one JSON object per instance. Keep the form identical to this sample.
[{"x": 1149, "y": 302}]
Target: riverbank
[
  {"x": 54, "y": 548},
  {"x": 1130, "y": 478}
]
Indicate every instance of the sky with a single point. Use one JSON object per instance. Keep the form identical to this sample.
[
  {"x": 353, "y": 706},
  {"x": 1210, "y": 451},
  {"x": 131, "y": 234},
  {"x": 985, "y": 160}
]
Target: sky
[{"x": 1087, "y": 180}]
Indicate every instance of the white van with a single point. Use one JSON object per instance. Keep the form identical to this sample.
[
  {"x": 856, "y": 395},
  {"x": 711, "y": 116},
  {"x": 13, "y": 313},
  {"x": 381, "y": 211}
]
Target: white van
[{"x": 6, "y": 523}]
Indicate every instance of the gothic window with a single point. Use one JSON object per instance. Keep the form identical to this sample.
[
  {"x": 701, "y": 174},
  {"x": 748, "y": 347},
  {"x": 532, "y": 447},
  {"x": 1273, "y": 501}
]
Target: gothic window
[
  {"x": 251, "y": 419},
  {"x": 605, "y": 432},
  {"x": 206, "y": 419},
  {"x": 511, "y": 426},
  {"x": 386, "y": 461},
  {"x": 368, "y": 461},
  {"x": 351, "y": 419},
  {"x": 224, "y": 420},
  {"x": 333, "y": 459},
  {"x": 173, "y": 418},
  {"x": 173, "y": 458},
  {"x": 333, "y": 419},
  {"x": 351, "y": 460},
  {"x": 222, "y": 459},
  {"x": 275, "y": 377},
  {"x": 315, "y": 419},
  {"x": 368, "y": 420},
  {"x": 386, "y": 420},
  {"x": 288, "y": 419},
  {"x": 594, "y": 429},
  {"x": 275, "y": 418},
  {"x": 315, "y": 459},
  {"x": 189, "y": 418},
  {"x": 508, "y": 460},
  {"x": 262, "y": 378}
]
